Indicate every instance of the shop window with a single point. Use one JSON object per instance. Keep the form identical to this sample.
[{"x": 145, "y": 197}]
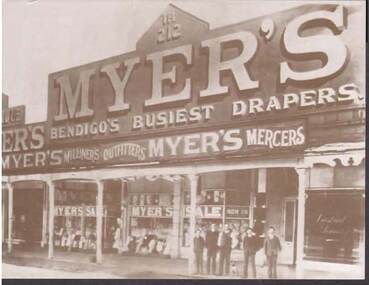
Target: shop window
[
  {"x": 334, "y": 227},
  {"x": 75, "y": 217},
  {"x": 151, "y": 223},
  {"x": 222, "y": 198}
]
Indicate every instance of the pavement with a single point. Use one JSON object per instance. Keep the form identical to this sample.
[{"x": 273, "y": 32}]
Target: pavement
[
  {"x": 34, "y": 264},
  {"x": 81, "y": 265},
  {"x": 11, "y": 271}
]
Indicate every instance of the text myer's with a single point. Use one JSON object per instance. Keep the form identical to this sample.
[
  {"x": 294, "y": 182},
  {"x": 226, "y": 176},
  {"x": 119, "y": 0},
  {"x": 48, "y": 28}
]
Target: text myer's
[{"x": 76, "y": 103}]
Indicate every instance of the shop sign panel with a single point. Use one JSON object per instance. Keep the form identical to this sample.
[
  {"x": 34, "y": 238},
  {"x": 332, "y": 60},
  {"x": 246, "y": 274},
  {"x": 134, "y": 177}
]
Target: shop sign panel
[
  {"x": 237, "y": 212},
  {"x": 206, "y": 211},
  {"x": 184, "y": 75},
  {"x": 217, "y": 211},
  {"x": 5, "y": 101},
  {"x": 75, "y": 211},
  {"x": 151, "y": 211},
  {"x": 248, "y": 140},
  {"x": 13, "y": 116},
  {"x": 202, "y": 211}
]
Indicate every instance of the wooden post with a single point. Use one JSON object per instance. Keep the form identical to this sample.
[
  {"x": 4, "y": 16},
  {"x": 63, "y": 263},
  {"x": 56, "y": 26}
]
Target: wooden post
[
  {"x": 175, "y": 236},
  {"x": 83, "y": 220},
  {"x": 51, "y": 190},
  {"x": 99, "y": 220},
  {"x": 45, "y": 202},
  {"x": 123, "y": 206},
  {"x": 301, "y": 172},
  {"x": 194, "y": 179},
  {"x": 3, "y": 190},
  {"x": 10, "y": 217}
]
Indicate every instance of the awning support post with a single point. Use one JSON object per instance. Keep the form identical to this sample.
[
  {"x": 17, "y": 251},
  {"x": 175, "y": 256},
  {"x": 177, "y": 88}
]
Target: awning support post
[
  {"x": 99, "y": 220},
  {"x": 51, "y": 188},
  {"x": 10, "y": 217},
  {"x": 301, "y": 172},
  {"x": 175, "y": 236},
  {"x": 193, "y": 185}
]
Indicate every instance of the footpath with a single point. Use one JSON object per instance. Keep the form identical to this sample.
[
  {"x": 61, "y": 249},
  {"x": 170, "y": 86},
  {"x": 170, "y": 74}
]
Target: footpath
[{"x": 119, "y": 266}]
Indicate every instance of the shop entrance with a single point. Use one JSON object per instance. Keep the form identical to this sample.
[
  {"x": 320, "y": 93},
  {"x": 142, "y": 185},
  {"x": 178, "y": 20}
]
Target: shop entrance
[
  {"x": 28, "y": 210},
  {"x": 75, "y": 215},
  {"x": 281, "y": 208}
]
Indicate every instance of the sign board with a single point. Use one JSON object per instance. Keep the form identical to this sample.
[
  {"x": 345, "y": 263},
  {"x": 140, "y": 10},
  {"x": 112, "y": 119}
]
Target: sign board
[
  {"x": 5, "y": 101},
  {"x": 189, "y": 92},
  {"x": 13, "y": 116},
  {"x": 250, "y": 140},
  {"x": 217, "y": 211},
  {"x": 75, "y": 211},
  {"x": 151, "y": 211},
  {"x": 203, "y": 211},
  {"x": 292, "y": 63},
  {"x": 237, "y": 212}
]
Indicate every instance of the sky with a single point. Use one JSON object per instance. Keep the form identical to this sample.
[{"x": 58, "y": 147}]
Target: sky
[{"x": 44, "y": 36}]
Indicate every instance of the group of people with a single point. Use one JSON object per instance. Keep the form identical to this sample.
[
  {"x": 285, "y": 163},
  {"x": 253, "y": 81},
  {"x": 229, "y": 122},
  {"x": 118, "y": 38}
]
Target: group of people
[{"x": 219, "y": 243}]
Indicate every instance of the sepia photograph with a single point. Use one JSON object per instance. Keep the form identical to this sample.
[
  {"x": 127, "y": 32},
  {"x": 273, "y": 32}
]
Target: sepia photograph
[{"x": 212, "y": 139}]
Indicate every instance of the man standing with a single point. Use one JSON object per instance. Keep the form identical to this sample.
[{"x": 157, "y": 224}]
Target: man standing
[
  {"x": 198, "y": 248},
  {"x": 225, "y": 249},
  {"x": 272, "y": 246},
  {"x": 250, "y": 245},
  {"x": 211, "y": 245}
]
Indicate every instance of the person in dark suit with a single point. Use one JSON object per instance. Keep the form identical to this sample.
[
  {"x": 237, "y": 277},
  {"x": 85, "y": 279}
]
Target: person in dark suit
[
  {"x": 272, "y": 246},
  {"x": 212, "y": 248},
  {"x": 198, "y": 248},
  {"x": 250, "y": 246},
  {"x": 225, "y": 249}
]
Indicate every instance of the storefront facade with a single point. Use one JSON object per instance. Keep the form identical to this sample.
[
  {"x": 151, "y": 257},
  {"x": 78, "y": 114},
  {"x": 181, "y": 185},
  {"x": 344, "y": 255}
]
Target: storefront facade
[{"x": 245, "y": 125}]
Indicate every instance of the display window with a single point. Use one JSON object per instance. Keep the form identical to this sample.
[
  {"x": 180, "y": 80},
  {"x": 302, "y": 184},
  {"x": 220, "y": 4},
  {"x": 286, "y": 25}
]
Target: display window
[
  {"x": 334, "y": 227},
  {"x": 75, "y": 219},
  {"x": 220, "y": 207},
  {"x": 151, "y": 222}
]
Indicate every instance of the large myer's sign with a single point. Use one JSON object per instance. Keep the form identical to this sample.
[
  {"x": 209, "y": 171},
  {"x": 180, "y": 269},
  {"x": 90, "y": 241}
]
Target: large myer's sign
[
  {"x": 183, "y": 75},
  {"x": 188, "y": 92}
]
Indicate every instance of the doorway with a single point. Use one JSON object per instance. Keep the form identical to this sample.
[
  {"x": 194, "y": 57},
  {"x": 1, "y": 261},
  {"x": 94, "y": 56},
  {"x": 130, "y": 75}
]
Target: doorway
[{"x": 28, "y": 215}]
